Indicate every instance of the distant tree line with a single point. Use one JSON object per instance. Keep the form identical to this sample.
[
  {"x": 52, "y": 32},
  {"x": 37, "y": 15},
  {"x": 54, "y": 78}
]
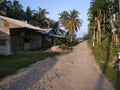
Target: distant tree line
[{"x": 35, "y": 17}]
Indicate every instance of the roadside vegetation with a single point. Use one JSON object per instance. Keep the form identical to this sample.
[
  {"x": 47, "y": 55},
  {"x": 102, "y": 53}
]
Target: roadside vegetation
[
  {"x": 12, "y": 63},
  {"x": 65, "y": 43},
  {"x": 68, "y": 46},
  {"x": 104, "y": 37},
  {"x": 107, "y": 62}
]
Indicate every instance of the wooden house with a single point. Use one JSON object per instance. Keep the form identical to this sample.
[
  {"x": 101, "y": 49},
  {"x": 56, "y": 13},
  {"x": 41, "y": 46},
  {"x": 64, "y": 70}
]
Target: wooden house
[{"x": 17, "y": 36}]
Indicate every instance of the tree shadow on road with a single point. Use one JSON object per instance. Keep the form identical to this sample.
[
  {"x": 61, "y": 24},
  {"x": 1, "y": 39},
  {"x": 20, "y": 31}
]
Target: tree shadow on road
[{"x": 29, "y": 76}]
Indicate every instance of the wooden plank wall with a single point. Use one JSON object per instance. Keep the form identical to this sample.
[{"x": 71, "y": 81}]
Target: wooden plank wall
[
  {"x": 25, "y": 40},
  {"x": 17, "y": 43}
]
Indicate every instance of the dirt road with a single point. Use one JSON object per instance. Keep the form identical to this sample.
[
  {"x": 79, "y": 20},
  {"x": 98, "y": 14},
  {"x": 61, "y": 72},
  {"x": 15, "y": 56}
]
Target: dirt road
[{"x": 74, "y": 71}]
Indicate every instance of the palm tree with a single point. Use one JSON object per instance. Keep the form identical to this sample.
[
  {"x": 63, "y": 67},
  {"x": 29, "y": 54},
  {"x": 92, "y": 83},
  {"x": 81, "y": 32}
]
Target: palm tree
[
  {"x": 4, "y": 7},
  {"x": 12, "y": 9},
  {"x": 96, "y": 9},
  {"x": 42, "y": 20},
  {"x": 101, "y": 14},
  {"x": 64, "y": 18},
  {"x": 29, "y": 15},
  {"x": 119, "y": 6},
  {"x": 16, "y": 11},
  {"x": 70, "y": 21}
]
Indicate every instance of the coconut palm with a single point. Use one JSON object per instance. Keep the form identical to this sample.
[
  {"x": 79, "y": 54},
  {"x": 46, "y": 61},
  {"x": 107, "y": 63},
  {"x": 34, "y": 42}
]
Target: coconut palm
[
  {"x": 70, "y": 21},
  {"x": 101, "y": 14},
  {"x": 41, "y": 18},
  {"x": 4, "y": 6},
  {"x": 64, "y": 18},
  {"x": 11, "y": 9},
  {"x": 16, "y": 10},
  {"x": 96, "y": 9},
  {"x": 30, "y": 15}
]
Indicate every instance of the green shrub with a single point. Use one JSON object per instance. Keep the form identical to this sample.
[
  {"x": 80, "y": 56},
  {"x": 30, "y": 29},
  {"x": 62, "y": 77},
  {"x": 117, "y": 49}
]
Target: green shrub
[{"x": 104, "y": 53}]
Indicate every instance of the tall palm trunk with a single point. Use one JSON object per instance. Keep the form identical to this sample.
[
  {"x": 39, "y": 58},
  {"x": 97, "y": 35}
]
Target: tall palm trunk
[
  {"x": 113, "y": 28},
  {"x": 94, "y": 38},
  {"x": 99, "y": 20},
  {"x": 99, "y": 30},
  {"x": 119, "y": 7},
  {"x": 71, "y": 37},
  {"x": 97, "y": 33},
  {"x": 104, "y": 17}
]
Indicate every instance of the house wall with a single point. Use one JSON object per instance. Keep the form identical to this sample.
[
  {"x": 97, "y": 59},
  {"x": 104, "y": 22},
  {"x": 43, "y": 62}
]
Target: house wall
[
  {"x": 4, "y": 38},
  {"x": 34, "y": 43},
  {"x": 17, "y": 44},
  {"x": 13, "y": 38},
  {"x": 24, "y": 40}
]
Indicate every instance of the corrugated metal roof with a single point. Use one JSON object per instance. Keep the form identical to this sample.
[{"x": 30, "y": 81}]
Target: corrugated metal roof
[
  {"x": 21, "y": 24},
  {"x": 45, "y": 31},
  {"x": 56, "y": 36}
]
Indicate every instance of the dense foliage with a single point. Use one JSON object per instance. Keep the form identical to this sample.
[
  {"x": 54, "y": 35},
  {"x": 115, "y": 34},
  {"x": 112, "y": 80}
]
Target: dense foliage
[
  {"x": 104, "y": 37},
  {"x": 71, "y": 22},
  {"x": 14, "y": 9}
]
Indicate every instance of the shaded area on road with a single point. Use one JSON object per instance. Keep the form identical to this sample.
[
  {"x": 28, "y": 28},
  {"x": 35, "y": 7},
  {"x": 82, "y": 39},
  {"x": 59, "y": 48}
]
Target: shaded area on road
[{"x": 26, "y": 77}]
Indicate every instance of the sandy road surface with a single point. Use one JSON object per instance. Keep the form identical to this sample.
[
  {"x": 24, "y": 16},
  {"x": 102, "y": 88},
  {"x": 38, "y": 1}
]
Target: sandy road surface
[{"x": 74, "y": 71}]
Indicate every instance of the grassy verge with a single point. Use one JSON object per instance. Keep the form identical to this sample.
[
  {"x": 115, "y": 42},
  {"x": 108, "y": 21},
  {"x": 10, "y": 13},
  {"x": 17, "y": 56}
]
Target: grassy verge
[
  {"x": 10, "y": 64},
  {"x": 105, "y": 60}
]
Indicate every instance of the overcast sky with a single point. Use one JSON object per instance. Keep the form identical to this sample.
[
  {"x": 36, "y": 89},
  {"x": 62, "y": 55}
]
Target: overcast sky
[{"x": 54, "y": 7}]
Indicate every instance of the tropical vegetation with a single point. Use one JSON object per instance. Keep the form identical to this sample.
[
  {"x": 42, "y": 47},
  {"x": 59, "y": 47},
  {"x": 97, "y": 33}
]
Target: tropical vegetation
[
  {"x": 15, "y": 10},
  {"x": 104, "y": 37},
  {"x": 70, "y": 21}
]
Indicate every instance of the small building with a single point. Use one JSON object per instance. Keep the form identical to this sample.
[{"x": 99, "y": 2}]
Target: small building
[{"x": 17, "y": 36}]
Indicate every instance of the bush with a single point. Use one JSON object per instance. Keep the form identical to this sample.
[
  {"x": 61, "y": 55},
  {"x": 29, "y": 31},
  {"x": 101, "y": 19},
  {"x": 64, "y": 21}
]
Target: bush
[
  {"x": 105, "y": 53},
  {"x": 65, "y": 47}
]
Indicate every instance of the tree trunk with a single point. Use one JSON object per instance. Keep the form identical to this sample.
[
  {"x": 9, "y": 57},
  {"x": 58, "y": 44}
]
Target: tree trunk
[
  {"x": 71, "y": 37},
  {"x": 104, "y": 17},
  {"x": 113, "y": 29},
  {"x": 97, "y": 36},
  {"x": 99, "y": 30},
  {"x": 119, "y": 7},
  {"x": 94, "y": 38}
]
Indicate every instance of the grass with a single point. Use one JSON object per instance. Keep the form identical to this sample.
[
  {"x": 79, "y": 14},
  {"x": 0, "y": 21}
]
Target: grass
[
  {"x": 105, "y": 58},
  {"x": 10, "y": 64}
]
